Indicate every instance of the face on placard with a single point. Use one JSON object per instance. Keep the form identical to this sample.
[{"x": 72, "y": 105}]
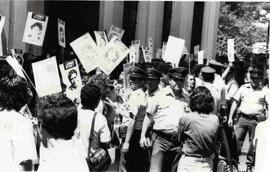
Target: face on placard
[{"x": 36, "y": 33}]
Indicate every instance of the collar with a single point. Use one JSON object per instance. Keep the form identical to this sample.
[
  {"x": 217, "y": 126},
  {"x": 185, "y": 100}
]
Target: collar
[
  {"x": 152, "y": 94},
  {"x": 169, "y": 92}
]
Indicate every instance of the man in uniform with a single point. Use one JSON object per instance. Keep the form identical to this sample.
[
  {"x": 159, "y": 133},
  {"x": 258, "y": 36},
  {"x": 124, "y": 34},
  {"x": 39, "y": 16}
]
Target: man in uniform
[
  {"x": 165, "y": 110},
  {"x": 251, "y": 101},
  {"x": 153, "y": 80}
]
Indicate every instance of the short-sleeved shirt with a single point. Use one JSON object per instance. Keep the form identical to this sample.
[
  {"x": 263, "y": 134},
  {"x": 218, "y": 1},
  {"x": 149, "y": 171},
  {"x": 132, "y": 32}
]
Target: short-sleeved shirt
[
  {"x": 166, "y": 110},
  {"x": 101, "y": 130},
  {"x": 17, "y": 140},
  {"x": 231, "y": 87},
  {"x": 137, "y": 103},
  {"x": 199, "y": 133},
  {"x": 216, "y": 93},
  {"x": 251, "y": 101}
]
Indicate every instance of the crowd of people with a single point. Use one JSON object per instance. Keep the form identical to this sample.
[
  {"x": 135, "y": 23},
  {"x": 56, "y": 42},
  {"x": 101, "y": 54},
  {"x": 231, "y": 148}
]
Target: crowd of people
[{"x": 179, "y": 119}]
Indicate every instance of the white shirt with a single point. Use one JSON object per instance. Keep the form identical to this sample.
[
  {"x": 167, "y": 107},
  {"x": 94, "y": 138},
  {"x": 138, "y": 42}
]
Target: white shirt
[
  {"x": 62, "y": 155},
  {"x": 17, "y": 142},
  {"x": 82, "y": 132},
  {"x": 231, "y": 87}
]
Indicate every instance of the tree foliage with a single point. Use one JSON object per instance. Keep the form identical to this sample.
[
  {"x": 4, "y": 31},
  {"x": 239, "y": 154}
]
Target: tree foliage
[{"x": 235, "y": 22}]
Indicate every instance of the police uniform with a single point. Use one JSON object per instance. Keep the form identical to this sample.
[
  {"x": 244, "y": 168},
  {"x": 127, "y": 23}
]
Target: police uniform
[
  {"x": 166, "y": 110},
  {"x": 252, "y": 106},
  {"x": 216, "y": 91},
  {"x": 153, "y": 74},
  {"x": 137, "y": 158}
]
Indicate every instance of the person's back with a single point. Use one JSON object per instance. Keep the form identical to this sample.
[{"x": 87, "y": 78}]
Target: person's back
[{"x": 58, "y": 120}]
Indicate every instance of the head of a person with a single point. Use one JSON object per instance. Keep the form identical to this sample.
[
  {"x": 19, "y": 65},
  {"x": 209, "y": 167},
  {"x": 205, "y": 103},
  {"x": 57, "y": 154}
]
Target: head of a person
[
  {"x": 90, "y": 96},
  {"x": 197, "y": 70},
  {"x": 100, "y": 80},
  {"x": 14, "y": 92},
  {"x": 136, "y": 77},
  {"x": 153, "y": 79},
  {"x": 72, "y": 75},
  {"x": 208, "y": 74},
  {"x": 256, "y": 77},
  {"x": 177, "y": 78},
  {"x": 57, "y": 117},
  {"x": 201, "y": 100},
  {"x": 189, "y": 83},
  {"x": 219, "y": 67}
]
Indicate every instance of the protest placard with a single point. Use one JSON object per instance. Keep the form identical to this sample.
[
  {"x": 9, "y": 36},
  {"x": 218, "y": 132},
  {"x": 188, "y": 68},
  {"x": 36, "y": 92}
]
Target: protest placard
[
  {"x": 18, "y": 54},
  {"x": 150, "y": 45},
  {"x": 2, "y": 23},
  {"x": 71, "y": 78},
  {"x": 46, "y": 77},
  {"x": 230, "y": 50},
  {"x": 185, "y": 51},
  {"x": 113, "y": 54},
  {"x": 15, "y": 65},
  {"x": 126, "y": 67},
  {"x": 132, "y": 54},
  {"x": 35, "y": 28},
  {"x": 146, "y": 54},
  {"x": 136, "y": 45},
  {"x": 115, "y": 31},
  {"x": 200, "y": 57},
  {"x": 159, "y": 53},
  {"x": 164, "y": 44},
  {"x": 101, "y": 38},
  {"x": 174, "y": 50},
  {"x": 61, "y": 33},
  {"x": 86, "y": 50},
  {"x": 196, "y": 49}
]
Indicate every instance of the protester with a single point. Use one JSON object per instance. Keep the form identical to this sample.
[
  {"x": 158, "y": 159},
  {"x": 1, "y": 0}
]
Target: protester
[
  {"x": 136, "y": 157},
  {"x": 251, "y": 101},
  {"x": 199, "y": 132},
  {"x": 57, "y": 122},
  {"x": 165, "y": 111},
  {"x": 189, "y": 86},
  {"x": 17, "y": 145}
]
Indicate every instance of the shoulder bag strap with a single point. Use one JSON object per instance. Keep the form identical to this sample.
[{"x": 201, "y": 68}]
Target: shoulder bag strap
[{"x": 91, "y": 132}]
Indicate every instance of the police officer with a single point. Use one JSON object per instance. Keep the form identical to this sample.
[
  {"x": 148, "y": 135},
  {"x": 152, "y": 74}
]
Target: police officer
[
  {"x": 250, "y": 98},
  {"x": 165, "y": 110},
  {"x": 153, "y": 80},
  {"x": 136, "y": 157}
]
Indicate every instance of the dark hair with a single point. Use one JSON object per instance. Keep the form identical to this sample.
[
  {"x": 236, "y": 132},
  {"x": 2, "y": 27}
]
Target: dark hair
[
  {"x": 101, "y": 81},
  {"x": 208, "y": 77},
  {"x": 90, "y": 96},
  {"x": 197, "y": 69},
  {"x": 14, "y": 92},
  {"x": 37, "y": 24},
  {"x": 201, "y": 100},
  {"x": 58, "y": 116},
  {"x": 71, "y": 72}
]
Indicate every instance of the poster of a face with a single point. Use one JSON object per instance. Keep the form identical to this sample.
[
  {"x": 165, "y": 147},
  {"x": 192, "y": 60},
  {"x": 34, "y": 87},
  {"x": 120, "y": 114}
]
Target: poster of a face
[
  {"x": 18, "y": 54},
  {"x": 71, "y": 78},
  {"x": 35, "y": 28},
  {"x": 86, "y": 50},
  {"x": 2, "y": 22},
  {"x": 115, "y": 31},
  {"x": 61, "y": 33},
  {"x": 113, "y": 54},
  {"x": 146, "y": 54}
]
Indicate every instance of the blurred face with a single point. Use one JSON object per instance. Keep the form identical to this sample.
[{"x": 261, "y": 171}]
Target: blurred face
[
  {"x": 190, "y": 81},
  {"x": 255, "y": 82},
  {"x": 177, "y": 85},
  {"x": 135, "y": 83},
  {"x": 152, "y": 85},
  {"x": 73, "y": 79}
]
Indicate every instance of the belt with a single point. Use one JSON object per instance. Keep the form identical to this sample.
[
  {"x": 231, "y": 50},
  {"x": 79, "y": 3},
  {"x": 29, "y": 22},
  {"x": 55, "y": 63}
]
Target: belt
[
  {"x": 198, "y": 156},
  {"x": 249, "y": 116},
  {"x": 169, "y": 137}
]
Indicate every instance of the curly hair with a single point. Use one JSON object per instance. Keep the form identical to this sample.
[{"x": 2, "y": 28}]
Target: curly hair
[
  {"x": 14, "y": 92},
  {"x": 201, "y": 100},
  {"x": 71, "y": 72},
  {"x": 102, "y": 81},
  {"x": 58, "y": 115}
]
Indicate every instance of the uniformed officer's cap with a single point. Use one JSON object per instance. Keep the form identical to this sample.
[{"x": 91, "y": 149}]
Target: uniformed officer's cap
[
  {"x": 178, "y": 73},
  {"x": 153, "y": 73},
  {"x": 256, "y": 73},
  {"x": 208, "y": 70},
  {"x": 136, "y": 72},
  {"x": 213, "y": 62}
]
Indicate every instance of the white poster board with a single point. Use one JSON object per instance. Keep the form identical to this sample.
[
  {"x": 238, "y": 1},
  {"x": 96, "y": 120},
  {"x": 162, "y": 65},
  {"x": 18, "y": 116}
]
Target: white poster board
[
  {"x": 150, "y": 45},
  {"x": 115, "y": 31},
  {"x": 46, "y": 77},
  {"x": 146, "y": 54},
  {"x": 71, "y": 78},
  {"x": 196, "y": 49},
  {"x": 101, "y": 38},
  {"x": 35, "y": 28},
  {"x": 15, "y": 65},
  {"x": 136, "y": 45},
  {"x": 174, "y": 50},
  {"x": 18, "y": 54},
  {"x": 230, "y": 50},
  {"x": 86, "y": 50},
  {"x": 2, "y": 23},
  {"x": 113, "y": 54},
  {"x": 61, "y": 33},
  {"x": 200, "y": 57}
]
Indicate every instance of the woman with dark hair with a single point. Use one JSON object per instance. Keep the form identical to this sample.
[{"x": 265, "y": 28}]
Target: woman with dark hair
[
  {"x": 198, "y": 130},
  {"x": 17, "y": 145}
]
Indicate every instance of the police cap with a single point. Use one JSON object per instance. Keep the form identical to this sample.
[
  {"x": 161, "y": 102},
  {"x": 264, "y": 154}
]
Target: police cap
[
  {"x": 178, "y": 73},
  {"x": 208, "y": 70},
  {"x": 136, "y": 72},
  {"x": 256, "y": 73},
  {"x": 153, "y": 73}
]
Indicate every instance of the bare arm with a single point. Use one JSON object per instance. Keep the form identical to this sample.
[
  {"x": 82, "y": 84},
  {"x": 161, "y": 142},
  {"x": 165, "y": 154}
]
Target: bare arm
[
  {"x": 232, "y": 110},
  {"x": 148, "y": 119}
]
